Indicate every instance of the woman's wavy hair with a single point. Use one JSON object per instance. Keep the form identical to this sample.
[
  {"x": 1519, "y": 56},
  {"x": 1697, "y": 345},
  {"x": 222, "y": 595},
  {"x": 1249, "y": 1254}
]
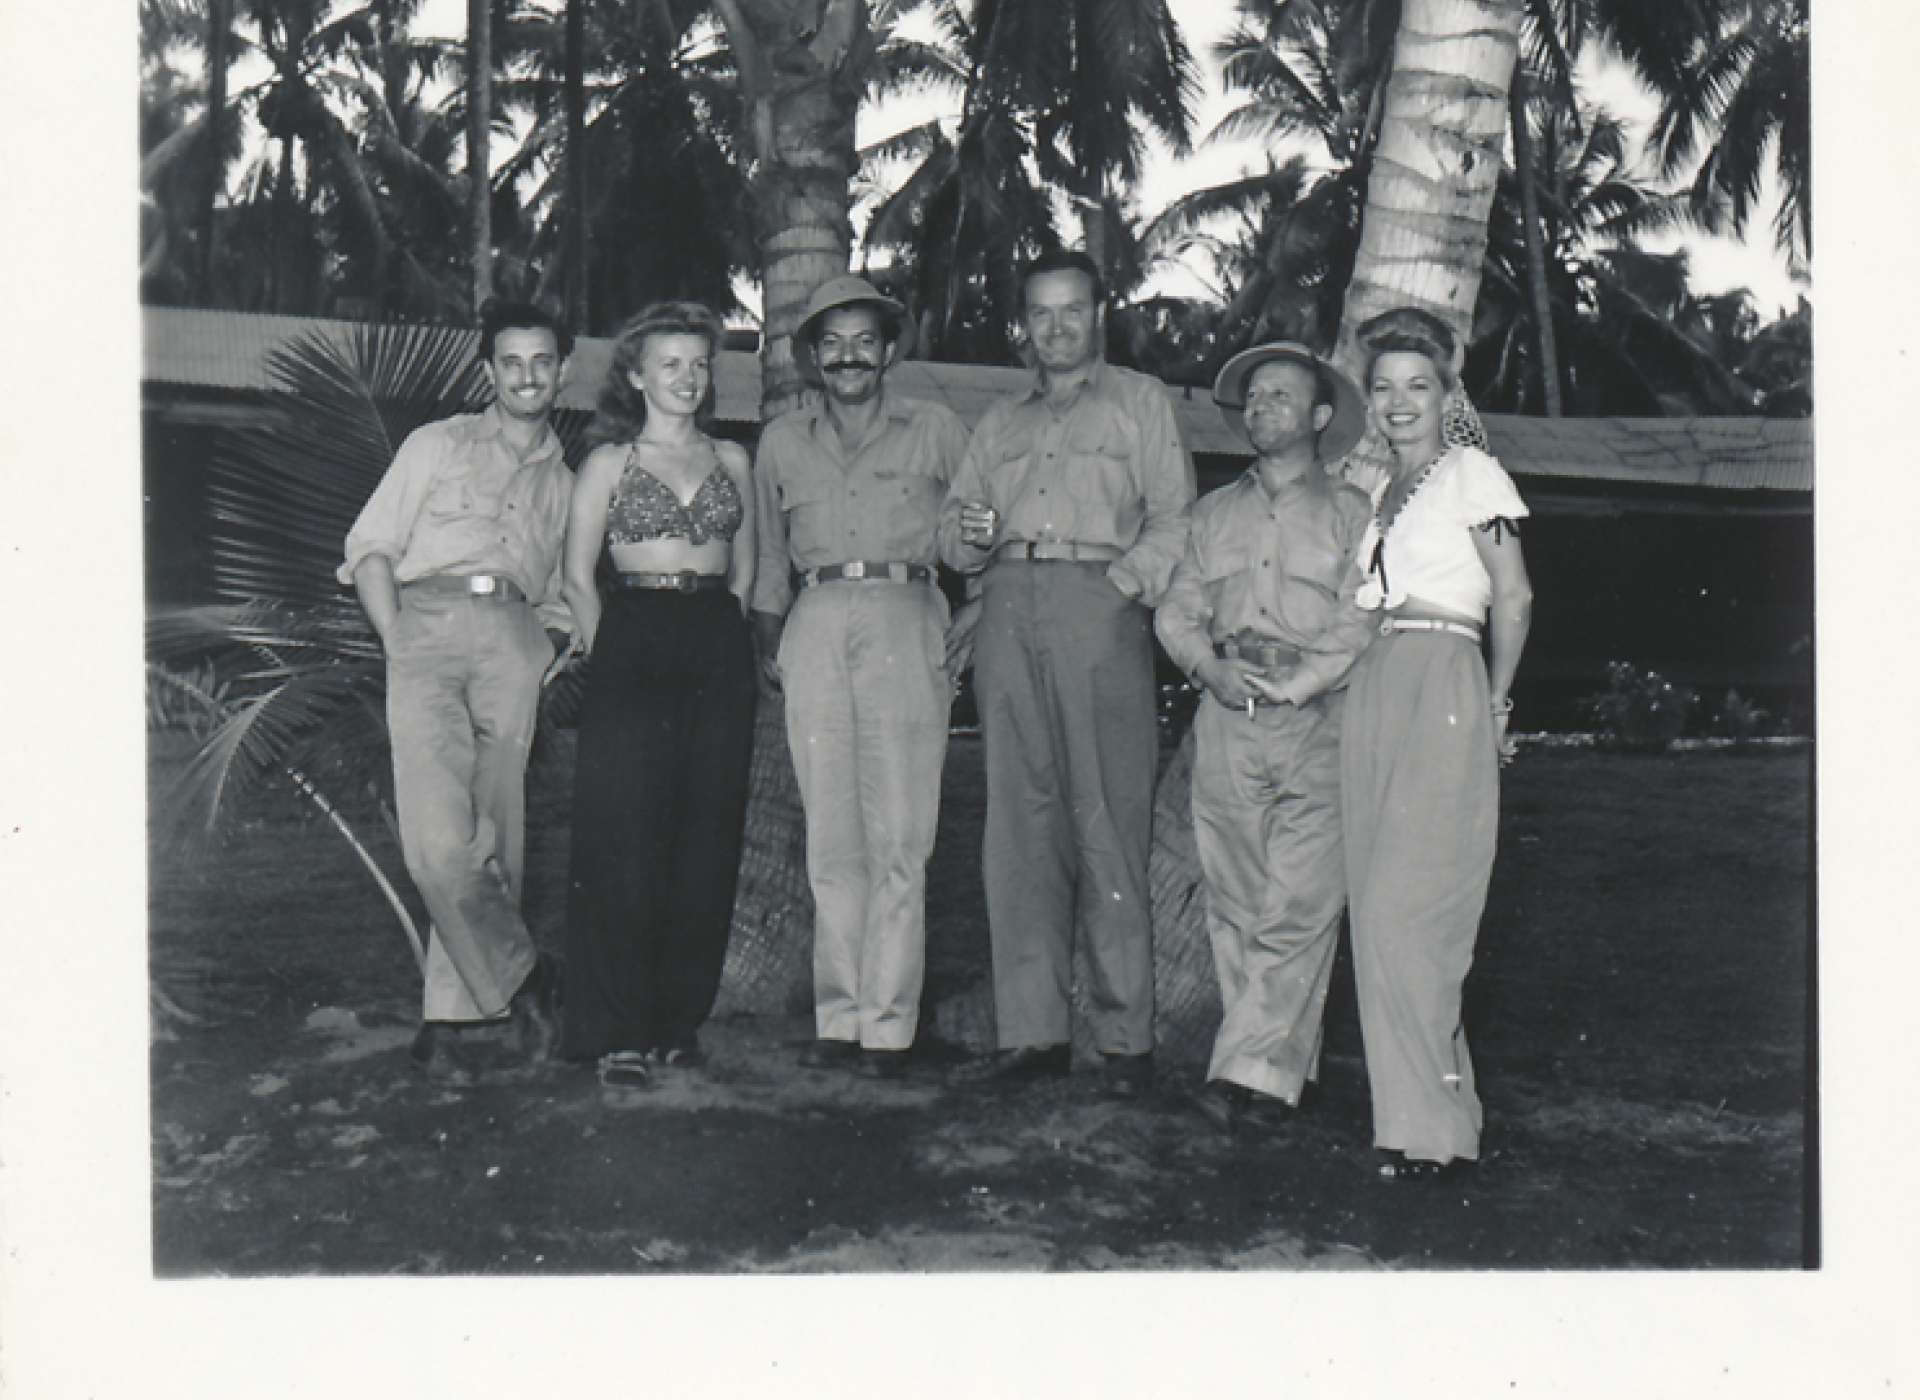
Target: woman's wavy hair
[
  {"x": 1409, "y": 330},
  {"x": 622, "y": 410}
]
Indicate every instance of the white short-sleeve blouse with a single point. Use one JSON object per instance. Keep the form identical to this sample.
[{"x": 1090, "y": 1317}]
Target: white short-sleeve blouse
[{"x": 1428, "y": 550}]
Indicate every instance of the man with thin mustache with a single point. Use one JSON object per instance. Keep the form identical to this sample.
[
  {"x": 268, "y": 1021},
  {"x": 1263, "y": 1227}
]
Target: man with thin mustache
[
  {"x": 850, "y": 491},
  {"x": 456, "y": 559}
]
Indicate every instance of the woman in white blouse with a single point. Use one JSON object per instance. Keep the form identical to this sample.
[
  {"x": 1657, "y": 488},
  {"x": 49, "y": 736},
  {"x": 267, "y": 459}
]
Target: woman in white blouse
[{"x": 1423, "y": 739}]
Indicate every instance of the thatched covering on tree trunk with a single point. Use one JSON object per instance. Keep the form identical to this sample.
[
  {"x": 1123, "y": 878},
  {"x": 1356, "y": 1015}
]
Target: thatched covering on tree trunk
[{"x": 769, "y": 968}]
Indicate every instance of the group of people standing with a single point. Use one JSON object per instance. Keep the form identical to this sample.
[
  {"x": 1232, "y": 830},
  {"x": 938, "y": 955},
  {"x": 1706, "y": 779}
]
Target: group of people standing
[{"x": 1346, "y": 750}]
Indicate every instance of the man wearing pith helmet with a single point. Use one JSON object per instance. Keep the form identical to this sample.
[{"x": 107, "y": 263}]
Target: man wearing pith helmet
[
  {"x": 852, "y": 629},
  {"x": 1260, "y": 614}
]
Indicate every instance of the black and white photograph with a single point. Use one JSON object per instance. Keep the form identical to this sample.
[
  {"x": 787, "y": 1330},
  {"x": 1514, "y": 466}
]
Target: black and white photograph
[{"x": 775, "y": 696}]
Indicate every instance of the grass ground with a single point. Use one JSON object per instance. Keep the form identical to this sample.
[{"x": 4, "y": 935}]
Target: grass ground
[{"x": 1638, "y": 1013}]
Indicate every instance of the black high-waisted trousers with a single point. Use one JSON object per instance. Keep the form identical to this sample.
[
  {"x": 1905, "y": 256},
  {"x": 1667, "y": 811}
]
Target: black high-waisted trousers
[{"x": 660, "y": 800}]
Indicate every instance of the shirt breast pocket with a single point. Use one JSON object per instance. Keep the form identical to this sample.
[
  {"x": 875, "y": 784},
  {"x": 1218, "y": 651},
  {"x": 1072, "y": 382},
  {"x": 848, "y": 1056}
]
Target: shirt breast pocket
[
  {"x": 911, "y": 501},
  {"x": 1099, "y": 467},
  {"x": 809, "y": 502},
  {"x": 1224, "y": 571},
  {"x": 460, "y": 498}
]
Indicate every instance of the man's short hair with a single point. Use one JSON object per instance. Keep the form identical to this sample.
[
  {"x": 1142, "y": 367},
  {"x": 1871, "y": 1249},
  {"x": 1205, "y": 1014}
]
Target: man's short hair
[
  {"x": 1064, "y": 260},
  {"x": 500, "y": 314}
]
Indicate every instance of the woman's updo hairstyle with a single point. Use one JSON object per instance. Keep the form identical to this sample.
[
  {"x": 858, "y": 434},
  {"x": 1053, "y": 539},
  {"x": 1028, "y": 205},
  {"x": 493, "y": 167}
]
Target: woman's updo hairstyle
[{"x": 1409, "y": 330}]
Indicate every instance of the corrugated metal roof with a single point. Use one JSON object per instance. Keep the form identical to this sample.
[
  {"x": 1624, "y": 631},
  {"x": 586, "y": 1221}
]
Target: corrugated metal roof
[{"x": 228, "y": 350}]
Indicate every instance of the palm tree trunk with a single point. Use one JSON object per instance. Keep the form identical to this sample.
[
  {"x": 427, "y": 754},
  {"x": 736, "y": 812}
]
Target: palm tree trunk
[
  {"x": 802, "y": 65},
  {"x": 479, "y": 127},
  {"x": 219, "y": 35},
  {"x": 1523, "y": 161},
  {"x": 1423, "y": 235},
  {"x": 576, "y": 220}
]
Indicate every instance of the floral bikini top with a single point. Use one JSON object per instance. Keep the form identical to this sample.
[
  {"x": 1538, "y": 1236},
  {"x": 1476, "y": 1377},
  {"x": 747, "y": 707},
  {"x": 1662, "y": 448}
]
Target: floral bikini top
[{"x": 645, "y": 507}]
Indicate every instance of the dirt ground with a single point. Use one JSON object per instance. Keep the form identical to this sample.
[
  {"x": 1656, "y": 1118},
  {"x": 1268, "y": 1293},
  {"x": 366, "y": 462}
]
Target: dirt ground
[{"x": 1638, "y": 1013}]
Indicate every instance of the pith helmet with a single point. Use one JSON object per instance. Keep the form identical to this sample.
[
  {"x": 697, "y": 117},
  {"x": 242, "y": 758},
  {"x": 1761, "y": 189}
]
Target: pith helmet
[
  {"x": 1349, "y": 422},
  {"x": 835, "y": 293}
]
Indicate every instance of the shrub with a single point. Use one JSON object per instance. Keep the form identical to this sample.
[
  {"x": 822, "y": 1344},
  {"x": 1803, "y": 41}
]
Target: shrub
[
  {"x": 1639, "y": 711},
  {"x": 1742, "y": 721}
]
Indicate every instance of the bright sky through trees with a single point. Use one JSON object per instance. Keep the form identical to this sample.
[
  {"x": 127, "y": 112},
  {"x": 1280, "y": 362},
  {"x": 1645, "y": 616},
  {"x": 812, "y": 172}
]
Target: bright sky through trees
[{"x": 1717, "y": 264}]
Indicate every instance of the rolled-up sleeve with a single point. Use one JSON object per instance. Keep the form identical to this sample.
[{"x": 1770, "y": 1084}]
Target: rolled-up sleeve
[
  {"x": 551, "y": 607},
  {"x": 1167, "y": 488},
  {"x": 1183, "y": 620},
  {"x": 772, "y": 576},
  {"x": 969, "y": 484},
  {"x": 385, "y": 523}
]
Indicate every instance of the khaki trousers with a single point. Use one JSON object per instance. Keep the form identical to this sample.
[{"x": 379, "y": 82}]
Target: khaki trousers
[
  {"x": 1420, "y": 800},
  {"x": 1065, "y": 686},
  {"x": 1266, "y": 822},
  {"x": 863, "y": 669},
  {"x": 463, "y": 687}
]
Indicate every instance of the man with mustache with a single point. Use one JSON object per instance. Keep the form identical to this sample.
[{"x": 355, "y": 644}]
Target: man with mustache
[
  {"x": 1261, "y": 614},
  {"x": 456, "y": 560},
  {"x": 850, "y": 490},
  {"x": 1073, "y": 497}
]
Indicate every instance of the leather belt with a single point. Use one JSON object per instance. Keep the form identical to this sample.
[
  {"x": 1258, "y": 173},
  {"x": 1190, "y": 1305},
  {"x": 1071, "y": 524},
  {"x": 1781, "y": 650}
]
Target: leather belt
[
  {"x": 496, "y": 588},
  {"x": 1267, "y": 654},
  {"x": 866, "y": 571},
  {"x": 1428, "y": 624},
  {"x": 686, "y": 581},
  {"x": 1057, "y": 551}
]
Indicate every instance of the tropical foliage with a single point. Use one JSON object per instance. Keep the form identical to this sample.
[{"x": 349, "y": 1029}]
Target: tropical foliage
[
  {"x": 282, "y": 676},
  {"x": 340, "y": 159}
]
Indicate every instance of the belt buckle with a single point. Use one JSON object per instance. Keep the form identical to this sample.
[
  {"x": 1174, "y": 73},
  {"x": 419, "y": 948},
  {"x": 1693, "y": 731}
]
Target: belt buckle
[
  {"x": 686, "y": 581},
  {"x": 854, "y": 569},
  {"x": 482, "y": 585},
  {"x": 1386, "y": 627}
]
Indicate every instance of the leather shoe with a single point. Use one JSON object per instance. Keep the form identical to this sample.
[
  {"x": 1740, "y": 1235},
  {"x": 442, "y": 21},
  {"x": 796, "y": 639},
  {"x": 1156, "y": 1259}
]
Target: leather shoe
[
  {"x": 830, "y": 1054},
  {"x": 1263, "y": 1113},
  {"x": 1219, "y": 1102},
  {"x": 428, "y": 1045},
  {"x": 1128, "y": 1076},
  {"x": 881, "y": 1064},
  {"x": 534, "y": 1021},
  {"x": 1017, "y": 1066}
]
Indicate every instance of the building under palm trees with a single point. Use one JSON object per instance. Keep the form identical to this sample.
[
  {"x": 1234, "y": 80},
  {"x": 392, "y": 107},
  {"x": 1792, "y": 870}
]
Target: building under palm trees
[{"x": 1683, "y": 544}]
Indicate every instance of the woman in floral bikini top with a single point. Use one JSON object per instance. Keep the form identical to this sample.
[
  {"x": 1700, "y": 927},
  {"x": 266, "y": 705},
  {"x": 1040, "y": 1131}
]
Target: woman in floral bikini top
[
  {"x": 666, "y": 726},
  {"x": 645, "y": 508}
]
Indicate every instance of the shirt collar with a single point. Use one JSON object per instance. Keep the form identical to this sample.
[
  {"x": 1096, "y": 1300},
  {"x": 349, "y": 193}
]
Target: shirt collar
[
  {"x": 1313, "y": 480},
  {"x": 1092, "y": 384},
  {"x": 892, "y": 407},
  {"x": 490, "y": 422}
]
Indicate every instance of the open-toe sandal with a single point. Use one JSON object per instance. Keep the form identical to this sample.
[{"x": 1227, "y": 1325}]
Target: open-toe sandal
[{"x": 624, "y": 1069}]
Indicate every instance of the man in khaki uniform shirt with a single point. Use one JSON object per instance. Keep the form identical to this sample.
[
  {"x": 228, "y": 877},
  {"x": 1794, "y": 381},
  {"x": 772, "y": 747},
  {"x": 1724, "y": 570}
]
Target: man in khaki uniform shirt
[
  {"x": 1073, "y": 497},
  {"x": 1261, "y": 614},
  {"x": 850, "y": 492},
  {"x": 456, "y": 559}
]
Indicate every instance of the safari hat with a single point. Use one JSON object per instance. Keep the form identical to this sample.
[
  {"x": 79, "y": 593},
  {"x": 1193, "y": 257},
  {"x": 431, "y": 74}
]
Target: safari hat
[
  {"x": 835, "y": 293},
  {"x": 1349, "y": 422}
]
